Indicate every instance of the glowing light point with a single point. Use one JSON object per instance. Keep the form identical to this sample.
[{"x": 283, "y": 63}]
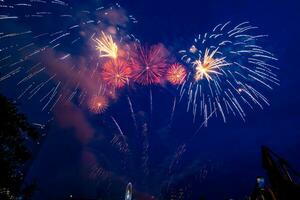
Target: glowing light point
[
  {"x": 193, "y": 49},
  {"x": 128, "y": 194}
]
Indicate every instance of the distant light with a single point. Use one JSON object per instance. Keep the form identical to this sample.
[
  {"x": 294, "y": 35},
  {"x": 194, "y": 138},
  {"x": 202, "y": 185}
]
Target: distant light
[{"x": 128, "y": 194}]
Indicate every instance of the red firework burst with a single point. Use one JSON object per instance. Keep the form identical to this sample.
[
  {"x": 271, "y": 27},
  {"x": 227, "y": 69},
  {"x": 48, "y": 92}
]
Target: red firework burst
[
  {"x": 98, "y": 104},
  {"x": 149, "y": 64},
  {"x": 176, "y": 74},
  {"x": 116, "y": 73}
]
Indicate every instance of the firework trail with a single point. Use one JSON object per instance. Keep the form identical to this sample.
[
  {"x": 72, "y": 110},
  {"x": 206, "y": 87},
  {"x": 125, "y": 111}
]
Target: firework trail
[
  {"x": 204, "y": 123},
  {"x": 132, "y": 113},
  {"x": 119, "y": 128},
  {"x": 227, "y": 70},
  {"x": 175, "y": 161},
  {"x": 151, "y": 102},
  {"x": 172, "y": 112},
  {"x": 145, "y": 153},
  {"x": 176, "y": 158},
  {"x": 120, "y": 140}
]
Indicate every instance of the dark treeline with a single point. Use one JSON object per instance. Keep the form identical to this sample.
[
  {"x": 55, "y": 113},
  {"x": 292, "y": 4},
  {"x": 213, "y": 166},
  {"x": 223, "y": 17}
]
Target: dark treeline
[{"x": 15, "y": 135}]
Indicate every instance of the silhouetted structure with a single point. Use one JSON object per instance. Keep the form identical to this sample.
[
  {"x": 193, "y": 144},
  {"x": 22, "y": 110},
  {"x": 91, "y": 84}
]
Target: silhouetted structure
[{"x": 282, "y": 177}]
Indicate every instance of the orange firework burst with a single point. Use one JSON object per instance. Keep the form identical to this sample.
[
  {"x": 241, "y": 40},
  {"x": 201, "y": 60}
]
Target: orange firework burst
[
  {"x": 116, "y": 73},
  {"x": 98, "y": 104},
  {"x": 176, "y": 74},
  {"x": 149, "y": 64}
]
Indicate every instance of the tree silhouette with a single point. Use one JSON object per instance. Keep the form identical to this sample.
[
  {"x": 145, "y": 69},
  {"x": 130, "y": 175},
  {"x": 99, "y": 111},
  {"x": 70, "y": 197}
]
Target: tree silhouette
[{"x": 15, "y": 135}]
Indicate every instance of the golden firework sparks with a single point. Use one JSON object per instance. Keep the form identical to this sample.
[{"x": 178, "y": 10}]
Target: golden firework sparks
[
  {"x": 106, "y": 46},
  {"x": 209, "y": 65}
]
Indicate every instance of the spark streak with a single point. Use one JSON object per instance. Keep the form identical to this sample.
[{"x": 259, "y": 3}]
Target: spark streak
[{"x": 106, "y": 46}]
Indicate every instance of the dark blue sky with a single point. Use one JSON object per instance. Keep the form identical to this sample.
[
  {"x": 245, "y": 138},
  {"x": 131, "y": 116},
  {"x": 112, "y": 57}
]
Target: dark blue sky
[{"x": 231, "y": 151}]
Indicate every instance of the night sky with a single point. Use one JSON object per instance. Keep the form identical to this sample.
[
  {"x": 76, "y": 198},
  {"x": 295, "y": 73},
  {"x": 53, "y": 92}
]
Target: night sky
[{"x": 228, "y": 153}]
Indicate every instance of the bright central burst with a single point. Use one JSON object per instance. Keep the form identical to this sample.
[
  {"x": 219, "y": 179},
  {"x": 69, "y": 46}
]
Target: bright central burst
[
  {"x": 106, "y": 46},
  {"x": 176, "y": 74},
  {"x": 98, "y": 104},
  {"x": 208, "y": 66},
  {"x": 116, "y": 73}
]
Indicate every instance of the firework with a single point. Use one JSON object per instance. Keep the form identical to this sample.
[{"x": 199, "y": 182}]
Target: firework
[
  {"x": 208, "y": 66},
  {"x": 149, "y": 64},
  {"x": 29, "y": 49},
  {"x": 98, "y": 104},
  {"x": 220, "y": 74},
  {"x": 228, "y": 69},
  {"x": 116, "y": 73},
  {"x": 176, "y": 74},
  {"x": 106, "y": 46}
]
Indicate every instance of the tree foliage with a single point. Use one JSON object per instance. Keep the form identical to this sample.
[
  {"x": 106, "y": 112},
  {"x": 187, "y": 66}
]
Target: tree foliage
[{"x": 15, "y": 134}]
